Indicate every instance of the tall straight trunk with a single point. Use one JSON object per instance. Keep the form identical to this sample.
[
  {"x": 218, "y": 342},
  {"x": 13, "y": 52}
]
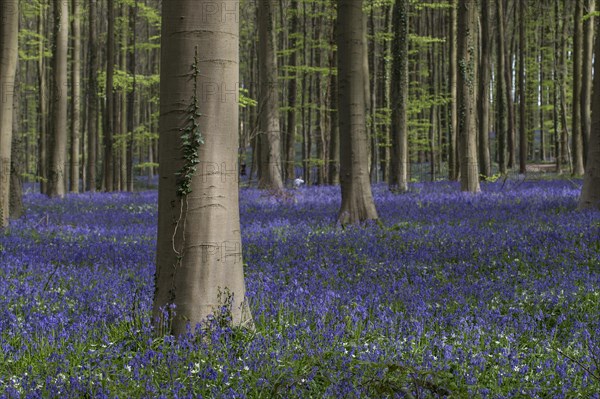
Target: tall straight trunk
[
  {"x": 9, "y": 42},
  {"x": 109, "y": 108},
  {"x": 399, "y": 90},
  {"x": 199, "y": 268},
  {"x": 522, "y": 93},
  {"x": 467, "y": 131},
  {"x": 501, "y": 128},
  {"x": 370, "y": 64},
  {"x": 268, "y": 99},
  {"x": 483, "y": 104},
  {"x": 590, "y": 192},
  {"x": 75, "y": 97},
  {"x": 59, "y": 100},
  {"x": 357, "y": 199},
  {"x": 563, "y": 147},
  {"x": 92, "y": 102},
  {"x": 131, "y": 112},
  {"x": 586, "y": 75},
  {"x": 334, "y": 133},
  {"x": 292, "y": 94},
  {"x": 510, "y": 100},
  {"x": 453, "y": 166},
  {"x": 542, "y": 92},
  {"x": 17, "y": 167},
  {"x": 42, "y": 104},
  {"x": 576, "y": 131}
]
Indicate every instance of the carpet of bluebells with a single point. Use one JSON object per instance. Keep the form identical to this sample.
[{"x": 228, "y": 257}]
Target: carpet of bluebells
[{"x": 453, "y": 295}]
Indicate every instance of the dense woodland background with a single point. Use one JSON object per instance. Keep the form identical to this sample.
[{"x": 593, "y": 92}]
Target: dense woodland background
[{"x": 534, "y": 63}]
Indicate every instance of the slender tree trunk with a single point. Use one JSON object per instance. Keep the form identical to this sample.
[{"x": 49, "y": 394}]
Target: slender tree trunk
[
  {"x": 590, "y": 193},
  {"x": 334, "y": 134},
  {"x": 131, "y": 112},
  {"x": 357, "y": 199},
  {"x": 399, "y": 89},
  {"x": 92, "y": 102},
  {"x": 75, "y": 97},
  {"x": 453, "y": 167},
  {"x": 58, "y": 149},
  {"x": 199, "y": 258},
  {"x": 467, "y": 131},
  {"x": 290, "y": 143},
  {"x": 17, "y": 167},
  {"x": 42, "y": 104},
  {"x": 269, "y": 130},
  {"x": 109, "y": 109},
  {"x": 586, "y": 75},
  {"x": 8, "y": 69},
  {"x": 522, "y": 94},
  {"x": 501, "y": 128},
  {"x": 576, "y": 131},
  {"x": 483, "y": 104}
]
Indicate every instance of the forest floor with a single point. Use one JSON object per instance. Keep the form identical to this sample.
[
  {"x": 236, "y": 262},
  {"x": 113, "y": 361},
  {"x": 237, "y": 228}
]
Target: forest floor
[{"x": 454, "y": 295}]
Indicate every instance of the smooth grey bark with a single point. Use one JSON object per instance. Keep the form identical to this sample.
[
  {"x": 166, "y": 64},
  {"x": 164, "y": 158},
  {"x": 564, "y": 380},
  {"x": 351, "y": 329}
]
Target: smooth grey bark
[
  {"x": 357, "y": 199},
  {"x": 590, "y": 192},
  {"x": 467, "y": 127},
  {"x": 75, "y": 97},
  {"x": 8, "y": 68},
  {"x": 576, "y": 129},
  {"x": 586, "y": 74},
  {"x": 399, "y": 90},
  {"x": 92, "y": 99},
  {"x": 483, "y": 105},
  {"x": 292, "y": 94},
  {"x": 109, "y": 107},
  {"x": 522, "y": 93},
  {"x": 453, "y": 164},
  {"x": 59, "y": 101},
  {"x": 270, "y": 174},
  {"x": 199, "y": 256},
  {"x": 501, "y": 128}
]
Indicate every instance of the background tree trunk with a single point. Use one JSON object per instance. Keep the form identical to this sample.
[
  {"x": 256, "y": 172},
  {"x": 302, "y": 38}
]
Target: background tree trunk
[
  {"x": 399, "y": 166},
  {"x": 586, "y": 75},
  {"x": 483, "y": 105},
  {"x": 292, "y": 95},
  {"x": 522, "y": 94},
  {"x": 467, "y": 131},
  {"x": 576, "y": 130},
  {"x": 268, "y": 99},
  {"x": 357, "y": 199},
  {"x": 199, "y": 258},
  {"x": 75, "y": 98},
  {"x": 59, "y": 100},
  {"x": 109, "y": 108},
  {"x": 453, "y": 166},
  {"x": 501, "y": 130},
  {"x": 92, "y": 99}
]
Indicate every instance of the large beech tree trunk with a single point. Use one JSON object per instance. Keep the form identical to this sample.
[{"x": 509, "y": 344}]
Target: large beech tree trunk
[
  {"x": 590, "y": 193},
  {"x": 467, "y": 130},
  {"x": 8, "y": 68},
  {"x": 199, "y": 254},
  {"x": 59, "y": 100},
  {"x": 357, "y": 199}
]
